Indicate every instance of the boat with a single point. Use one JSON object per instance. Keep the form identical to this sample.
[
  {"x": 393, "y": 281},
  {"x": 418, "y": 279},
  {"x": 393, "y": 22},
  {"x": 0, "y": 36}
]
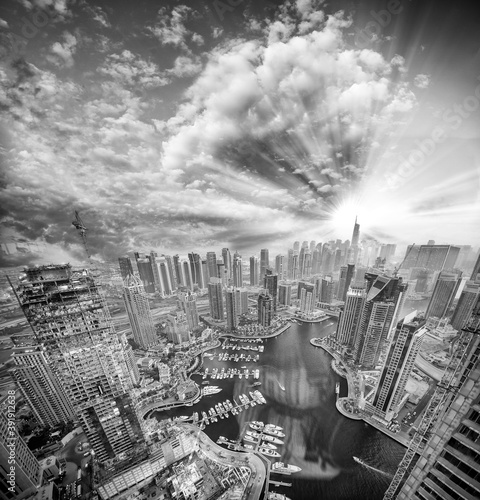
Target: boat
[
  {"x": 268, "y": 445},
  {"x": 249, "y": 446},
  {"x": 273, "y": 432},
  {"x": 274, "y": 427},
  {"x": 257, "y": 422},
  {"x": 255, "y": 427},
  {"x": 211, "y": 389},
  {"x": 271, "y": 439},
  {"x": 256, "y": 384},
  {"x": 277, "y": 496},
  {"x": 250, "y": 439},
  {"x": 255, "y": 435},
  {"x": 268, "y": 452},
  {"x": 283, "y": 468}
]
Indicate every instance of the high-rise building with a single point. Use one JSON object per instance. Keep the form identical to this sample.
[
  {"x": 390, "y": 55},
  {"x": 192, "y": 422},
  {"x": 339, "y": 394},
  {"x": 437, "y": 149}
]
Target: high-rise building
[
  {"x": 177, "y": 267},
  {"x": 307, "y": 298},
  {"x": 237, "y": 270},
  {"x": 270, "y": 283},
  {"x": 187, "y": 278},
  {"x": 280, "y": 267},
  {"x": 231, "y": 308},
  {"x": 253, "y": 271},
  {"x": 431, "y": 257},
  {"x": 290, "y": 264},
  {"x": 212, "y": 265},
  {"x": 70, "y": 317},
  {"x": 466, "y": 302},
  {"x": 353, "y": 251},
  {"x": 165, "y": 276},
  {"x": 125, "y": 266},
  {"x": 285, "y": 295},
  {"x": 476, "y": 271},
  {"x": 187, "y": 303},
  {"x": 295, "y": 269},
  {"x": 448, "y": 465},
  {"x": 227, "y": 260},
  {"x": 326, "y": 290},
  {"x": 443, "y": 294},
  {"x": 241, "y": 301},
  {"x": 350, "y": 318},
  {"x": 215, "y": 297},
  {"x": 296, "y": 246},
  {"x": 177, "y": 328},
  {"x": 196, "y": 268},
  {"x": 222, "y": 273},
  {"x": 402, "y": 352},
  {"x": 39, "y": 385},
  {"x": 171, "y": 272},
  {"x": 145, "y": 270},
  {"x": 265, "y": 309},
  {"x": 138, "y": 311},
  {"x": 346, "y": 275},
  {"x": 384, "y": 300},
  {"x": 20, "y": 472},
  {"x": 264, "y": 262}
]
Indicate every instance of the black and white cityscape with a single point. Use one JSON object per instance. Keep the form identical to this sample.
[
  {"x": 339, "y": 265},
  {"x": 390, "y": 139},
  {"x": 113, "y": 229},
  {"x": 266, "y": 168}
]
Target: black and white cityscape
[{"x": 239, "y": 250}]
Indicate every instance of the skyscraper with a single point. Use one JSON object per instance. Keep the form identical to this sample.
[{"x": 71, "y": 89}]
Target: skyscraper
[
  {"x": 212, "y": 265},
  {"x": 290, "y": 264},
  {"x": 237, "y": 270},
  {"x": 215, "y": 297},
  {"x": 187, "y": 303},
  {"x": 264, "y": 262},
  {"x": 125, "y": 266},
  {"x": 171, "y": 272},
  {"x": 145, "y": 270},
  {"x": 346, "y": 275},
  {"x": 227, "y": 260},
  {"x": 431, "y": 257},
  {"x": 222, "y": 273},
  {"x": 241, "y": 301},
  {"x": 466, "y": 302},
  {"x": 383, "y": 303},
  {"x": 187, "y": 278},
  {"x": 166, "y": 286},
  {"x": 443, "y": 294},
  {"x": 265, "y": 309},
  {"x": 196, "y": 268},
  {"x": 449, "y": 462},
  {"x": 69, "y": 316},
  {"x": 285, "y": 295},
  {"x": 26, "y": 476},
  {"x": 307, "y": 298},
  {"x": 138, "y": 310},
  {"x": 350, "y": 318},
  {"x": 400, "y": 359},
  {"x": 39, "y": 386},
  {"x": 326, "y": 290},
  {"x": 280, "y": 266},
  {"x": 177, "y": 328},
  {"x": 476, "y": 271},
  {"x": 270, "y": 283},
  {"x": 231, "y": 308},
  {"x": 253, "y": 271}
]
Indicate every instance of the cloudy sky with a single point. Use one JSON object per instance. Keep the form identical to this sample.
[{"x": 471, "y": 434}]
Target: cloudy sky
[{"x": 193, "y": 125}]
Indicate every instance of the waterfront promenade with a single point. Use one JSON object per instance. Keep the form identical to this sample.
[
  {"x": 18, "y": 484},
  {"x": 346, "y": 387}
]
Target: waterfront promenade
[{"x": 348, "y": 406}]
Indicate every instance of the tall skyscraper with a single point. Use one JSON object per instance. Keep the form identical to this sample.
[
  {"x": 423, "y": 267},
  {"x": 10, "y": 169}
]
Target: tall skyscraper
[
  {"x": 307, "y": 298},
  {"x": 476, "y": 271},
  {"x": 70, "y": 317},
  {"x": 253, "y": 271},
  {"x": 326, "y": 290},
  {"x": 177, "y": 328},
  {"x": 290, "y": 264},
  {"x": 449, "y": 462},
  {"x": 270, "y": 283},
  {"x": 285, "y": 295},
  {"x": 215, "y": 297},
  {"x": 346, "y": 275},
  {"x": 187, "y": 303},
  {"x": 237, "y": 270},
  {"x": 187, "y": 278},
  {"x": 227, "y": 260},
  {"x": 231, "y": 308},
  {"x": 385, "y": 297},
  {"x": 171, "y": 271},
  {"x": 241, "y": 301},
  {"x": 145, "y": 270},
  {"x": 196, "y": 268},
  {"x": 443, "y": 294},
  {"x": 265, "y": 309},
  {"x": 353, "y": 251},
  {"x": 264, "y": 262},
  {"x": 39, "y": 386},
  {"x": 212, "y": 265},
  {"x": 350, "y": 318},
  {"x": 222, "y": 273},
  {"x": 399, "y": 362},
  {"x": 125, "y": 266},
  {"x": 26, "y": 476},
  {"x": 165, "y": 275},
  {"x": 138, "y": 310},
  {"x": 466, "y": 302},
  {"x": 280, "y": 267},
  {"x": 431, "y": 257}
]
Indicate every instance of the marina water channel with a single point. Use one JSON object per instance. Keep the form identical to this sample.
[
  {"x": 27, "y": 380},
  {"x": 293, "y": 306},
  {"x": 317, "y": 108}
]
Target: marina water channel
[{"x": 298, "y": 384}]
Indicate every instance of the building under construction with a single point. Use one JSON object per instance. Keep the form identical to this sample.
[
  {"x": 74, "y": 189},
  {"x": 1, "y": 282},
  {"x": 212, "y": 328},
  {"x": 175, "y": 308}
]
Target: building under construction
[{"x": 94, "y": 365}]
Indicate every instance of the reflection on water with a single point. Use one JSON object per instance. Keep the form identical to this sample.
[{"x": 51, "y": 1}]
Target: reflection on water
[{"x": 299, "y": 387}]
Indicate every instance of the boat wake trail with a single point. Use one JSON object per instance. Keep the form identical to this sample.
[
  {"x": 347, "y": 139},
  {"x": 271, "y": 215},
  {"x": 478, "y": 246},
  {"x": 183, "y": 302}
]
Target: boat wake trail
[{"x": 361, "y": 462}]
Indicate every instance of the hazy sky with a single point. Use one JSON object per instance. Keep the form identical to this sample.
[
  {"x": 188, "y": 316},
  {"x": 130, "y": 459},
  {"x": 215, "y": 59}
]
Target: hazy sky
[{"x": 195, "y": 125}]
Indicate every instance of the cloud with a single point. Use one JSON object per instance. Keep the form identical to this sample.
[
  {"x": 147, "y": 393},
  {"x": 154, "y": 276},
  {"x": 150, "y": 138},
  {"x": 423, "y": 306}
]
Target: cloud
[
  {"x": 186, "y": 66},
  {"x": 422, "y": 81},
  {"x": 3, "y": 23},
  {"x": 62, "y": 54}
]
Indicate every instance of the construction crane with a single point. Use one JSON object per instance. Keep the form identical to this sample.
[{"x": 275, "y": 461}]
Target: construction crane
[
  {"x": 446, "y": 389},
  {"x": 82, "y": 229},
  {"x": 395, "y": 271}
]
